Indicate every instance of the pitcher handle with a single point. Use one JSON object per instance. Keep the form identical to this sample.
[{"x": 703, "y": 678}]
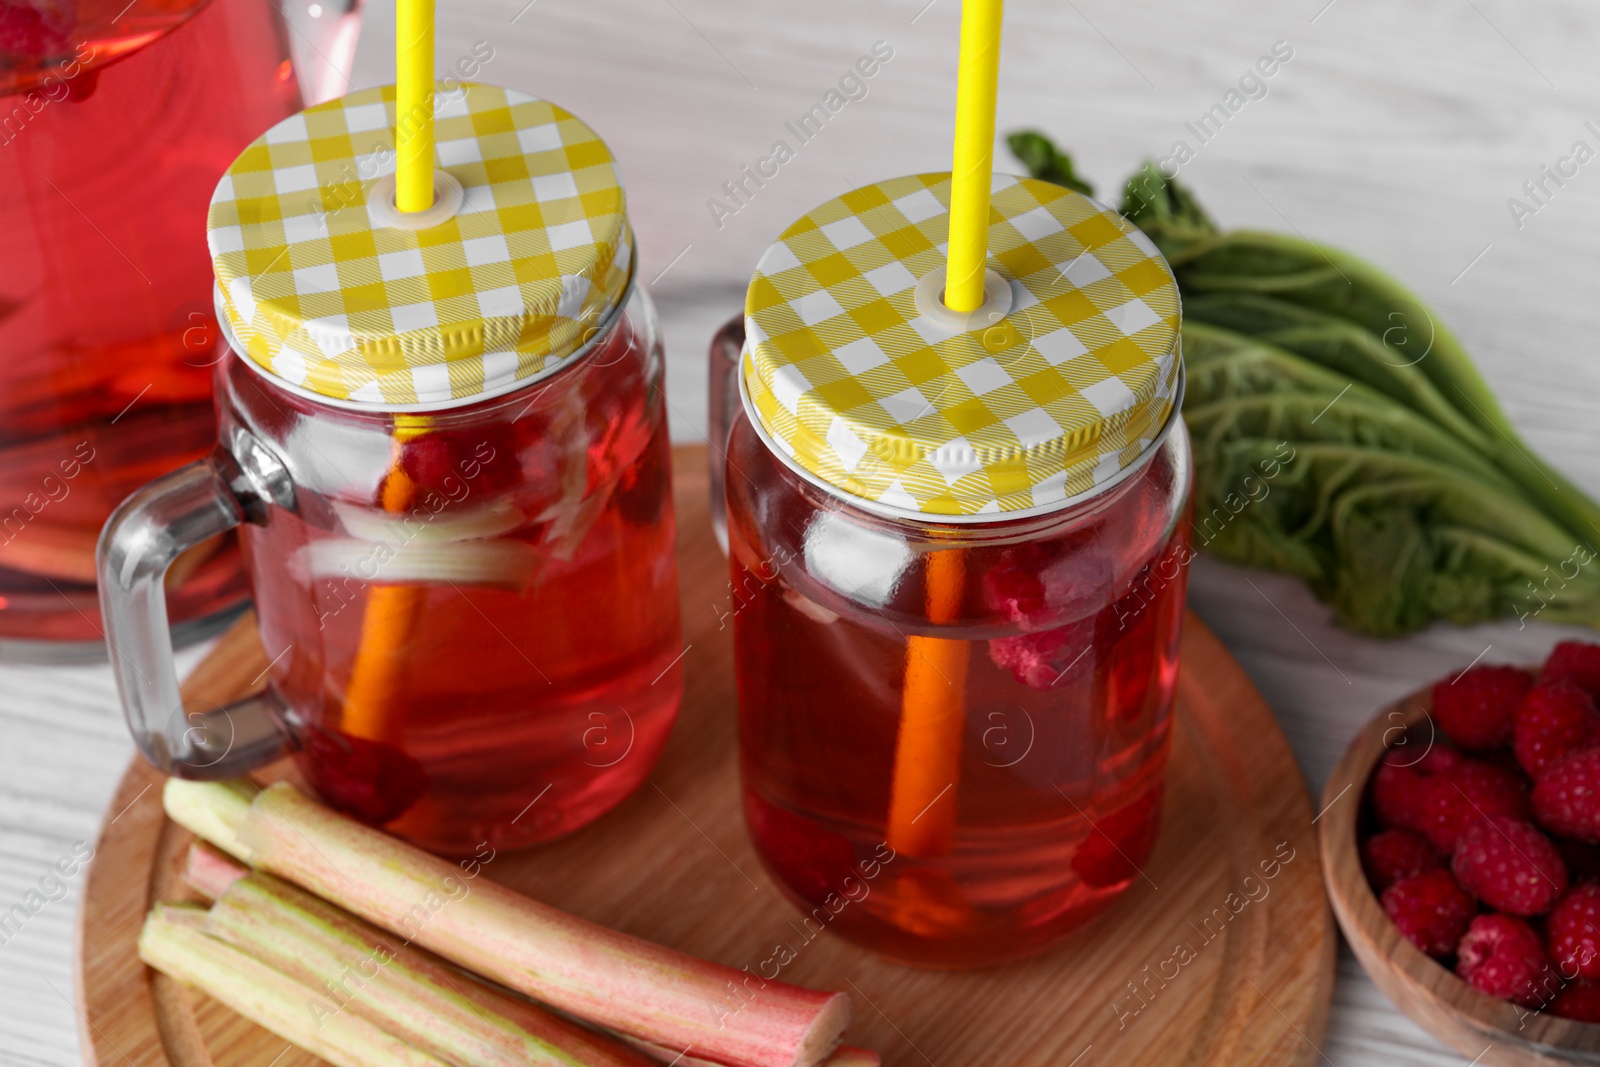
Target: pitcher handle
[{"x": 236, "y": 484}]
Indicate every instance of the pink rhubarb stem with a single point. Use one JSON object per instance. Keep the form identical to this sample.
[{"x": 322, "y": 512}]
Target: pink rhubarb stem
[
  {"x": 209, "y": 872},
  {"x": 351, "y": 965},
  {"x": 618, "y": 981}
]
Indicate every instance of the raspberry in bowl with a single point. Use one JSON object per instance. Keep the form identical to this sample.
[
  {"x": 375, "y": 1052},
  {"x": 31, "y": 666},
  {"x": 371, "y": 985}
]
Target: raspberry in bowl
[{"x": 1461, "y": 851}]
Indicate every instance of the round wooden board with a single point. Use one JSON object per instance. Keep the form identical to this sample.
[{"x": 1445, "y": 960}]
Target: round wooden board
[{"x": 1204, "y": 961}]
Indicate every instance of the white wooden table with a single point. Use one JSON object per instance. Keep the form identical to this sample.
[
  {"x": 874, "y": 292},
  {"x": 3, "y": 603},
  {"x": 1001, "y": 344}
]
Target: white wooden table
[{"x": 1397, "y": 130}]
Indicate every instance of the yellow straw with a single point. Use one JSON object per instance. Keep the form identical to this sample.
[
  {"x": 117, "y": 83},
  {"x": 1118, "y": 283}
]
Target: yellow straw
[
  {"x": 413, "y": 133},
  {"x": 977, "y": 82},
  {"x": 924, "y": 791},
  {"x": 378, "y": 673}
]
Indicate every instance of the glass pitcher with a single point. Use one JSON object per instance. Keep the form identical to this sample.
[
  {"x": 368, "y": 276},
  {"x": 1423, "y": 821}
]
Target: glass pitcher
[{"x": 116, "y": 120}]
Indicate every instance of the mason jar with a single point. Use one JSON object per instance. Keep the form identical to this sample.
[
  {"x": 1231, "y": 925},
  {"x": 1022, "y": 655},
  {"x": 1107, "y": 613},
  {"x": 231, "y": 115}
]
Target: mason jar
[
  {"x": 458, "y": 529},
  {"x": 958, "y": 552}
]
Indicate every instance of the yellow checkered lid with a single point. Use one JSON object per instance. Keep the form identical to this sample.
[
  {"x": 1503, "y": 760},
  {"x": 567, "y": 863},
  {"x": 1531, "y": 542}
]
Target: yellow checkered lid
[
  {"x": 856, "y": 373},
  {"x": 319, "y": 287}
]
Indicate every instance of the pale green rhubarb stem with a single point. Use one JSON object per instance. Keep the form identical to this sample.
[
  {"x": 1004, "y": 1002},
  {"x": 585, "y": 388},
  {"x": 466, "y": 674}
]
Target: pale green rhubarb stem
[
  {"x": 324, "y": 946},
  {"x": 174, "y": 942},
  {"x": 356, "y": 967},
  {"x": 505, "y": 563},
  {"x": 606, "y": 977},
  {"x": 216, "y": 814}
]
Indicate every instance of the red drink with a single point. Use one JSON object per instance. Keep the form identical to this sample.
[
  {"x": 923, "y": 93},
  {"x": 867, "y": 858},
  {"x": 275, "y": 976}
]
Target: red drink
[
  {"x": 1068, "y": 625},
  {"x": 116, "y": 120},
  {"x": 532, "y": 678}
]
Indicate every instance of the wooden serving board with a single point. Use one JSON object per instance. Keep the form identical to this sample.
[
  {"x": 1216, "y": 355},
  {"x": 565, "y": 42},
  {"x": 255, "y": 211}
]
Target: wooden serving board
[{"x": 1204, "y": 961}]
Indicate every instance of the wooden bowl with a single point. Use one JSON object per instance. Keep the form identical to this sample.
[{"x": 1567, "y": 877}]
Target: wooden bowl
[{"x": 1486, "y": 1030}]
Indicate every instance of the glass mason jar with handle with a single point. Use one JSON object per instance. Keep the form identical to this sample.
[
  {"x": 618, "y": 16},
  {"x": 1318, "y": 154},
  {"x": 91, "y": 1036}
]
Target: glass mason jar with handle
[
  {"x": 445, "y": 451},
  {"x": 958, "y": 549}
]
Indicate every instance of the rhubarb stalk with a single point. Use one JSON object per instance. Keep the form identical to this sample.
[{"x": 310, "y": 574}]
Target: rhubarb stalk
[
  {"x": 174, "y": 943},
  {"x": 843, "y": 1056},
  {"x": 356, "y": 967},
  {"x": 215, "y": 812},
  {"x": 621, "y": 982},
  {"x": 209, "y": 872},
  {"x": 324, "y": 946},
  {"x": 503, "y": 563}
]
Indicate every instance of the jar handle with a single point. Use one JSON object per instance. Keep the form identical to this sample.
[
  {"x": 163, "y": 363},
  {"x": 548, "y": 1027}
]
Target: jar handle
[
  {"x": 722, "y": 410},
  {"x": 149, "y": 530}
]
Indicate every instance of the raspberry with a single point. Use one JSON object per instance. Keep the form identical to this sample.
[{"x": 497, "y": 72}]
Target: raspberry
[
  {"x": 1048, "y": 659},
  {"x": 1454, "y": 801},
  {"x": 1501, "y": 956},
  {"x": 643, "y": 489},
  {"x": 1121, "y": 841},
  {"x": 1577, "y": 662},
  {"x": 1553, "y": 719},
  {"x": 37, "y": 29},
  {"x": 1566, "y": 798},
  {"x": 1580, "y": 1001},
  {"x": 1391, "y": 855},
  {"x": 1397, "y": 797},
  {"x": 1041, "y": 581},
  {"x": 459, "y": 462},
  {"x": 807, "y": 856},
  {"x": 373, "y": 781},
  {"x": 1398, "y": 792},
  {"x": 1439, "y": 793},
  {"x": 1573, "y": 932},
  {"x": 1440, "y": 759},
  {"x": 1013, "y": 585},
  {"x": 1430, "y": 909},
  {"x": 1509, "y": 865},
  {"x": 1476, "y": 708}
]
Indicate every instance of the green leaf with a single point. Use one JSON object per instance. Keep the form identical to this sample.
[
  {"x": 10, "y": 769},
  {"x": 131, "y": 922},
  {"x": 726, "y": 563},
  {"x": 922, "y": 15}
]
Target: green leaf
[
  {"x": 1404, "y": 557},
  {"x": 1036, "y": 152},
  {"x": 1167, "y": 212},
  {"x": 1342, "y": 433},
  {"x": 1327, "y": 280},
  {"x": 1362, "y": 420},
  {"x": 1341, "y": 346},
  {"x": 1390, "y": 540}
]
